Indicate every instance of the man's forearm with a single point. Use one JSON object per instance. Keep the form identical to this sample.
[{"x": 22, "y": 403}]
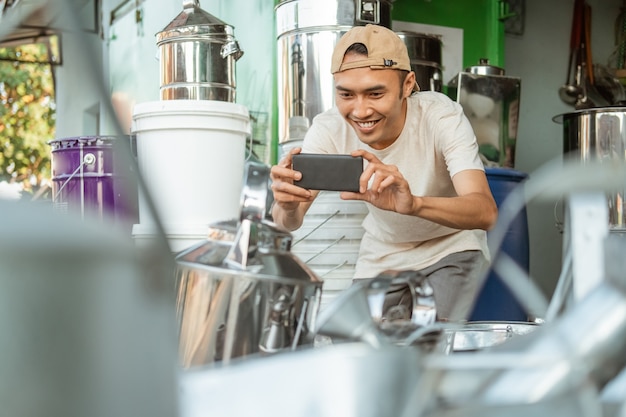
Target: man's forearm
[{"x": 289, "y": 219}]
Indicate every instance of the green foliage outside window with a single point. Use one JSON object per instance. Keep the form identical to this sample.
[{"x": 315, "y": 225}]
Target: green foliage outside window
[{"x": 27, "y": 117}]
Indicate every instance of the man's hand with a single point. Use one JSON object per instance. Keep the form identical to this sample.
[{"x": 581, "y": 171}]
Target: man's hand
[
  {"x": 290, "y": 201},
  {"x": 383, "y": 186}
]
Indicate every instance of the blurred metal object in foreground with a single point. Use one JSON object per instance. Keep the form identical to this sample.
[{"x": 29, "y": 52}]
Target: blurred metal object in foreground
[
  {"x": 556, "y": 370},
  {"x": 245, "y": 292},
  {"x": 87, "y": 322},
  {"x": 350, "y": 379},
  {"x": 396, "y": 307}
]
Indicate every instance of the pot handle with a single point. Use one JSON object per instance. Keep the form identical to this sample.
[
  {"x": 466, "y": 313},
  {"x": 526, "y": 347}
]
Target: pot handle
[
  {"x": 254, "y": 200},
  {"x": 254, "y": 203},
  {"x": 423, "y": 312},
  {"x": 188, "y": 4},
  {"x": 231, "y": 48}
]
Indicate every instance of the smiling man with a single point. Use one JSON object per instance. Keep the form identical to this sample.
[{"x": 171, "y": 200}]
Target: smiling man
[{"x": 424, "y": 184}]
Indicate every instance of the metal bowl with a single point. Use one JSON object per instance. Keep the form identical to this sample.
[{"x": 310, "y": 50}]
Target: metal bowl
[{"x": 481, "y": 335}]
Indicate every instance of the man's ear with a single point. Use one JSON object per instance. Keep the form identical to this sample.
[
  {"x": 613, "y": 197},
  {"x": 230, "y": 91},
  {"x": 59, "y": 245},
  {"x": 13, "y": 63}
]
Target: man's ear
[{"x": 409, "y": 83}]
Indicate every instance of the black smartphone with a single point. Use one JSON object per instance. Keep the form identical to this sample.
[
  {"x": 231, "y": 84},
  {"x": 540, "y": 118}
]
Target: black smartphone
[{"x": 330, "y": 172}]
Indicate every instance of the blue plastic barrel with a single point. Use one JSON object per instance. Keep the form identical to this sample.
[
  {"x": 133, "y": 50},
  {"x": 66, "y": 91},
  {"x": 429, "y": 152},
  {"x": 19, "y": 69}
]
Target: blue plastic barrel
[{"x": 495, "y": 301}]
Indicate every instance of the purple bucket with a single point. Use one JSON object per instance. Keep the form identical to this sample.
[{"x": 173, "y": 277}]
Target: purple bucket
[{"x": 92, "y": 179}]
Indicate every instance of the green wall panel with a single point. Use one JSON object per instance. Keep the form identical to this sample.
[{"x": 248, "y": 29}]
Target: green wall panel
[{"x": 483, "y": 32}]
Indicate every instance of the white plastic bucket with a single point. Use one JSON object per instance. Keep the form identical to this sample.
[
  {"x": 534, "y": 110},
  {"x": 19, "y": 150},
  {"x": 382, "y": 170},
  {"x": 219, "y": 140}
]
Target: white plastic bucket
[{"x": 191, "y": 154}]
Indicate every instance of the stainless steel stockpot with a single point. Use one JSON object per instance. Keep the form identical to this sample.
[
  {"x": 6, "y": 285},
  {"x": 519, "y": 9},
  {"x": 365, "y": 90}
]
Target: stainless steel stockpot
[
  {"x": 197, "y": 54},
  {"x": 242, "y": 291},
  {"x": 598, "y": 134},
  {"x": 426, "y": 61},
  {"x": 307, "y": 31}
]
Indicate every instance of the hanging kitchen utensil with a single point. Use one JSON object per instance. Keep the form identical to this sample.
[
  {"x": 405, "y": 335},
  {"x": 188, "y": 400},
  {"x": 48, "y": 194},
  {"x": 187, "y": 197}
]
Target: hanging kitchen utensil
[
  {"x": 588, "y": 54},
  {"x": 569, "y": 92},
  {"x": 591, "y": 97}
]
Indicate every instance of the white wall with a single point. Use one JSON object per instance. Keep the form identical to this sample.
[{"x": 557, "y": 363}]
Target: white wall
[
  {"x": 78, "y": 78},
  {"x": 540, "y": 58}
]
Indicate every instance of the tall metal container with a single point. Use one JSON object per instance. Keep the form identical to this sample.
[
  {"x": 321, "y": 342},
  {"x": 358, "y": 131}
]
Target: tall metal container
[
  {"x": 598, "y": 134},
  {"x": 425, "y": 53},
  {"x": 197, "y": 53},
  {"x": 242, "y": 292},
  {"x": 491, "y": 102},
  {"x": 307, "y": 32}
]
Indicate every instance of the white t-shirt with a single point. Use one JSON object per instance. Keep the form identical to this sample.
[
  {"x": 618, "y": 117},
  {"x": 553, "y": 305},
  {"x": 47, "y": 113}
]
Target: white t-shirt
[{"x": 436, "y": 143}]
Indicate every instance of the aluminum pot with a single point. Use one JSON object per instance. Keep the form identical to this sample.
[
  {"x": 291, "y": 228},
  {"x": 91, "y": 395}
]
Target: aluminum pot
[
  {"x": 598, "y": 134},
  {"x": 197, "y": 54},
  {"x": 242, "y": 291},
  {"x": 484, "y": 68},
  {"x": 425, "y": 54},
  {"x": 307, "y": 32}
]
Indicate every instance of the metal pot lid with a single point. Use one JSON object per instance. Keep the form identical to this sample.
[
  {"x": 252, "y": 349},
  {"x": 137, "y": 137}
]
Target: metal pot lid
[
  {"x": 194, "y": 20},
  {"x": 252, "y": 245},
  {"x": 266, "y": 261},
  {"x": 560, "y": 118},
  {"x": 483, "y": 68}
]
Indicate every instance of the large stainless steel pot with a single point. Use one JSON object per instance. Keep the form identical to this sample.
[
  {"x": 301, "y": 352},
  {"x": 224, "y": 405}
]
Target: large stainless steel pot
[
  {"x": 425, "y": 54},
  {"x": 242, "y": 291},
  {"x": 307, "y": 32},
  {"x": 197, "y": 54},
  {"x": 598, "y": 134}
]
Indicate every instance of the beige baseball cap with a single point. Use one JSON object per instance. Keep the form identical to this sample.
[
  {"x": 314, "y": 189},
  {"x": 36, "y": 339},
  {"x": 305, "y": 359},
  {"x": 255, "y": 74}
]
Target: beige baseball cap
[{"x": 385, "y": 49}]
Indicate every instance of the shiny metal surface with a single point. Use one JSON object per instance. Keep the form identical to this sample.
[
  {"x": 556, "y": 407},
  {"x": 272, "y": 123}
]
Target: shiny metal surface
[
  {"x": 394, "y": 286},
  {"x": 197, "y": 55},
  {"x": 556, "y": 369},
  {"x": 307, "y": 32},
  {"x": 225, "y": 313},
  {"x": 484, "y": 68},
  {"x": 348, "y": 318},
  {"x": 425, "y": 54},
  {"x": 598, "y": 134},
  {"x": 314, "y": 15},
  {"x": 396, "y": 307},
  {"x": 475, "y": 336},
  {"x": 347, "y": 380},
  {"x": 491, "y": 104},
  {"x": 255, "y": 199},
  {"x": 246, "y": 292},
  {"x": 578, "y": 353}
]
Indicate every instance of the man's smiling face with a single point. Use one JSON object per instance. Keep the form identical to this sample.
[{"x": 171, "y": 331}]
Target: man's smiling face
[{"x": 373, "y": 102}]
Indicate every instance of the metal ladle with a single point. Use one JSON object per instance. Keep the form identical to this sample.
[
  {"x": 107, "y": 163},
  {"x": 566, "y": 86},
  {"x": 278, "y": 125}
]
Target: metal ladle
[
  {"x": 583, "y": 101},
  {"x": 568, "y": 92}
]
